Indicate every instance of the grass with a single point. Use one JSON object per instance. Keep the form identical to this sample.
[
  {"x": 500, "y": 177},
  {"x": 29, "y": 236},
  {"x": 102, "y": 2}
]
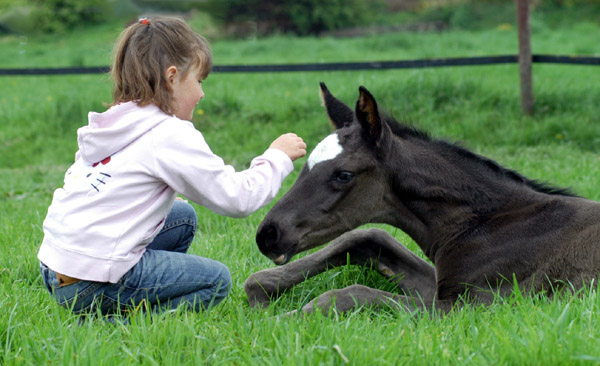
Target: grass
[{"x": 476, "y": 105}]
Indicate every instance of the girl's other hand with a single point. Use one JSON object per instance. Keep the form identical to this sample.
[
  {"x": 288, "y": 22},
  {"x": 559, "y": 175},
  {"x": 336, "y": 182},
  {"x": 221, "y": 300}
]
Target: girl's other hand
[{"x": 291, "y": 144}]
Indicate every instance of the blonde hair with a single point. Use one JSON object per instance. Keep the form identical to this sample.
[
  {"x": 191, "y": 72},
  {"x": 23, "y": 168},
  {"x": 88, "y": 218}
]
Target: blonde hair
[{"x": 143, "y": 53}]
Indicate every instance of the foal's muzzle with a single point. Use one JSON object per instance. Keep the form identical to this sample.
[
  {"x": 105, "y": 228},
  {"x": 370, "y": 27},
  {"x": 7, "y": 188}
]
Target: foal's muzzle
[{"x": 269, "y": 243}]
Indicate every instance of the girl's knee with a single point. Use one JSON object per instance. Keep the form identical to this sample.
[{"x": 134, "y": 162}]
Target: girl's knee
[
  {"x": 224, "y": 282},
  {"x": 222, "y": 285},
  {"x": 213, "y": 287}
]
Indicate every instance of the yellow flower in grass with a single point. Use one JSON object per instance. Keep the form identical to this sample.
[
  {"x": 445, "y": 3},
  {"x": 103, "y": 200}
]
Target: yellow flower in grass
[{"x": 200, "y": 112}]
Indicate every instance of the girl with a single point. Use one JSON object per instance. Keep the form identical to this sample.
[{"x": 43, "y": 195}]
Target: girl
[{"x": 115, "y": 235}]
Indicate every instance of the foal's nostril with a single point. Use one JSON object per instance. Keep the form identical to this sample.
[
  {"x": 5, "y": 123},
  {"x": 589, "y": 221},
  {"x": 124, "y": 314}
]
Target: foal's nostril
[{"x": 267, "y": 237}]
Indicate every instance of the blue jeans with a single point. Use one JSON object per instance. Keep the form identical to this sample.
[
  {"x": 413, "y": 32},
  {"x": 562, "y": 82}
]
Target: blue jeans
[{"x": 164, "y": 277}]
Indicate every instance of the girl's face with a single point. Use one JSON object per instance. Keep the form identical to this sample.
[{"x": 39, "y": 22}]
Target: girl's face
[{"x": 187, "y": 91}]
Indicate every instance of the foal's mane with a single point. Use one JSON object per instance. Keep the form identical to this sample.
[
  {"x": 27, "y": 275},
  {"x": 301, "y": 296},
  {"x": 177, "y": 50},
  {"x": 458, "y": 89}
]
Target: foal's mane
[{"x": 406, "y": 131}]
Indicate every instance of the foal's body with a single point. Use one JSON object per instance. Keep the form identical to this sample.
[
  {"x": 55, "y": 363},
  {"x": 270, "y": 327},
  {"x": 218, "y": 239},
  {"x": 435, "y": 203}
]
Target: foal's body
[{"x": 480, "y": 224}]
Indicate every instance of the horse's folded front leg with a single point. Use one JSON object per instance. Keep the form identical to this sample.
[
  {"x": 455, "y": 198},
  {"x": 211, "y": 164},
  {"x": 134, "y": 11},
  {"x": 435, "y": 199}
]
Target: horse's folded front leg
[
  {"x": 356, "y": 296},
  {"x": 363, "y": 247},
  {"x": 264, "y": 286}
]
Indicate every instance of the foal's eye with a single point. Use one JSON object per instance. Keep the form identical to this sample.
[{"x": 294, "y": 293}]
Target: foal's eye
[{"x": 343, "y": 176}]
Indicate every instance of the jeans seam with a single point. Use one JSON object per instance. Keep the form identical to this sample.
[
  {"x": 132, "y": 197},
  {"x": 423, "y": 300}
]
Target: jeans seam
[{"x": 179, "y": 222}]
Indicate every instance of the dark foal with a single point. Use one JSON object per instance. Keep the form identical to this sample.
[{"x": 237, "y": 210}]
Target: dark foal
[{"x": 481, "y": 225}]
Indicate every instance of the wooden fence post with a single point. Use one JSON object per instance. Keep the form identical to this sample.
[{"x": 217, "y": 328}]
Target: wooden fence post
[{"x": 527, "y": 98}]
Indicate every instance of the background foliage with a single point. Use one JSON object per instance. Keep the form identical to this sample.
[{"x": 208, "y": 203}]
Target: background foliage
[
  {"x": 299, "y": 17},
  {"x": 57, "y": 16},
  {"x": 251, "y": 18}
]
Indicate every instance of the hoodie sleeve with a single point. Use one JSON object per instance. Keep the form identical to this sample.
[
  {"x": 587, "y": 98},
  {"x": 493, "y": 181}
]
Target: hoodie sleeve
[{"x": 185, "y": 162}]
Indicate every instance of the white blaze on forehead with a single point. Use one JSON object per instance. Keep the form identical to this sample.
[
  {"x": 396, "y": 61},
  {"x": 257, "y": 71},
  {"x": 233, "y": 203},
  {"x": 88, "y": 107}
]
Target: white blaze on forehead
[{"x": 327, "y": 149}]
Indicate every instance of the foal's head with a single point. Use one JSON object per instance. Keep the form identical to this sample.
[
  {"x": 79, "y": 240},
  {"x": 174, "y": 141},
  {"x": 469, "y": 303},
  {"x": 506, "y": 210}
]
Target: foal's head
[
  {"x": 341, "y": 186},
  {"x": 374, "y": 169}
]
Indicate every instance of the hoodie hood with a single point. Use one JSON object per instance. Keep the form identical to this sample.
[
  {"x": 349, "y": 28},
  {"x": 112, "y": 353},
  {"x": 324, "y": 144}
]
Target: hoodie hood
[{"x": 109, "y": 132}]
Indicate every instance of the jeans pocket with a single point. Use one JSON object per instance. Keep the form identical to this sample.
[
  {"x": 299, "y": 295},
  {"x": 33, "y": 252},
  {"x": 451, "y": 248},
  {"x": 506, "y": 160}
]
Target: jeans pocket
[{"x": 78, "y": 296}]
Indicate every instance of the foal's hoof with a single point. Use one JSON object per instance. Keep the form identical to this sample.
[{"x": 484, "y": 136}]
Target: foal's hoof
[{"x": 257, "y": 296}]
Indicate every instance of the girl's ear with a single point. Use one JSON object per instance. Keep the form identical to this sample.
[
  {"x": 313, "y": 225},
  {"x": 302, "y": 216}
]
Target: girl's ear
[{"x": 170, "y": 75}]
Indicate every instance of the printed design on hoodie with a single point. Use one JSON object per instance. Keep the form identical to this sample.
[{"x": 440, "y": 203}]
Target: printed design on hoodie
[{"x": 88, "y": 177}]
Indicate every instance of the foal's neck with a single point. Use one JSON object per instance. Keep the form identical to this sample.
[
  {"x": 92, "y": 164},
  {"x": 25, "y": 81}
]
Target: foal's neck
[{"x": 440, "y": 189}]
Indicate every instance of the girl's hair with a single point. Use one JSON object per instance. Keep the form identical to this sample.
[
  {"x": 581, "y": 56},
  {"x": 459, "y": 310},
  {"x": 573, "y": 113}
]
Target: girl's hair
[{"x": 143, "y": 53}]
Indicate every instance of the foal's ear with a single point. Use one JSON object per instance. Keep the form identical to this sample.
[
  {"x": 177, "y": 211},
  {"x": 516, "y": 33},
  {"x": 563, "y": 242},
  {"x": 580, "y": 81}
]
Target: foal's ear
[
  {"x": 368, "y": 116},
  {"x": 339, "y": 114}
]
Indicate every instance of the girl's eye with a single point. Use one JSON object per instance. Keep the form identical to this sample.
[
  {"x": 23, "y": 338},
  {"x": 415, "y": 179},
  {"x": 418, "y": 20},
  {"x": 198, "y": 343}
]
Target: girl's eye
[{"x": 343, "y": 176}]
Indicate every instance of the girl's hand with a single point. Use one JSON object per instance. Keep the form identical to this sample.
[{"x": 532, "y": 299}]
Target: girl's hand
[{"x": 291, "y": 144}]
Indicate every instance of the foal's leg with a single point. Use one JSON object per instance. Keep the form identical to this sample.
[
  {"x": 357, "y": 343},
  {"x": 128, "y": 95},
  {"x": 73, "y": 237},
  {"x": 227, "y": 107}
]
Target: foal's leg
[
  {"x": 356, "y": 296},
  {"x": 363, "y": 247},
  {"x": 359, "y": 295}
]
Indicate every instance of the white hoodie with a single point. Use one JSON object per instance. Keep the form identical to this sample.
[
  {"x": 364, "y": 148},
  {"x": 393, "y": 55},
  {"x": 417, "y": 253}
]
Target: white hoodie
[{"x": 132, "y": 162}]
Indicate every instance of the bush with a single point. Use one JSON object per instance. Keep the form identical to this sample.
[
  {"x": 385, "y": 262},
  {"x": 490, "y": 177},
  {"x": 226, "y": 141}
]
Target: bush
[
  {"x": 51, "y": 16},
  {"x": 301, "y": 17},
  {"x": 19, "y": 19},
  {"x": 7, "y": 4},
  {"x": 56, "y": 16}
]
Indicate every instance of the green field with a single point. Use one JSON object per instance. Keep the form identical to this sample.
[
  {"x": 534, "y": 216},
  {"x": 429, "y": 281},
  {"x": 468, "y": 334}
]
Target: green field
[{"x": 240, "y": 116}]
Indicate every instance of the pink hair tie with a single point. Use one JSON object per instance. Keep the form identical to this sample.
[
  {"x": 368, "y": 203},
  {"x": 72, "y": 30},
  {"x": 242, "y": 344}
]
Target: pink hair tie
[{"x": 144, "y": 21}]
